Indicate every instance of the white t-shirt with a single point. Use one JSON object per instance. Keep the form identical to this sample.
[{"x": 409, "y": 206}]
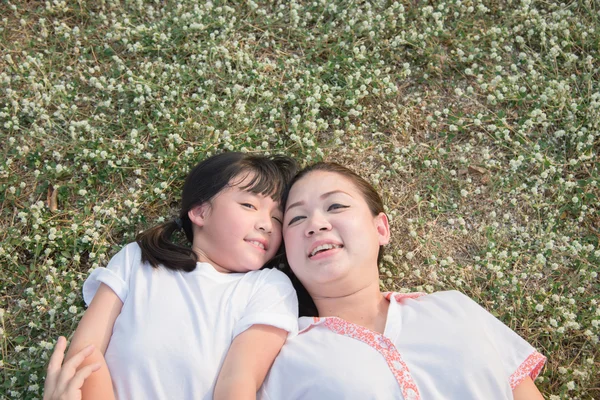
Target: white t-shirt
[
  {"x": 175, "y": 328},
  {"x": 437, "y": 346}
]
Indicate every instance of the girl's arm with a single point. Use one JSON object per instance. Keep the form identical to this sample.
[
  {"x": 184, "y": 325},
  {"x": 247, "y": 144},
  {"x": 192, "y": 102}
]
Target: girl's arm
[
  {"x": 247, "y": 362},
  {"x": 526, "y": 390},
  {"x": 95, "y": 328}
]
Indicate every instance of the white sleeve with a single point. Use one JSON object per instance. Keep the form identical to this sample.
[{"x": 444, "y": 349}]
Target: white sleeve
[
  {"x": 116, "y": 274},
  {"x": 273, "y": 302},
  {"x": 519, "y": 358}
]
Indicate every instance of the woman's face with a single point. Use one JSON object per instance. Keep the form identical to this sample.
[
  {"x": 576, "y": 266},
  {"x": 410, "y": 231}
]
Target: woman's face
[{"x": 330, "y": 234}]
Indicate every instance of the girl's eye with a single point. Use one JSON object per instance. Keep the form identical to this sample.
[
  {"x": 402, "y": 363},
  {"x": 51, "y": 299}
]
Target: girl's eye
[
  {"x": 295, "y": 219},
  {"x": 336, "y": 206},
  {"x": 248, "y": 205}
]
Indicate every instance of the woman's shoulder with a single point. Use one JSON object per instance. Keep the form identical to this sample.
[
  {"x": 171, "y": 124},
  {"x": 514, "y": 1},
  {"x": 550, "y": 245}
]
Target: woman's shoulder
[
  {"x": 453, "y": 295},
  {"x": 452, "y": 302},
  {"x": 447, "y": 295}
]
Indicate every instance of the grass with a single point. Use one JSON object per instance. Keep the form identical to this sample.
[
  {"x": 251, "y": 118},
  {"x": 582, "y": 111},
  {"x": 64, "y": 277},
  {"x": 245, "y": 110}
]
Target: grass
[{"x": 478, "y": 121}]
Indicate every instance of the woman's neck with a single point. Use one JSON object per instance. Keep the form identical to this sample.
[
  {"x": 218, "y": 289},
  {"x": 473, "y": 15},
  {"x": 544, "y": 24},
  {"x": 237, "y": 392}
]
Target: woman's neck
[{"x": 366, "y": 307}]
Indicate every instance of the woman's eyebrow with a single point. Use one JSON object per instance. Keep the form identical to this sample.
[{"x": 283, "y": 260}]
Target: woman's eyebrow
[
  {"x": 296, "y": 204},
  {"x": 323, "y": 196}
]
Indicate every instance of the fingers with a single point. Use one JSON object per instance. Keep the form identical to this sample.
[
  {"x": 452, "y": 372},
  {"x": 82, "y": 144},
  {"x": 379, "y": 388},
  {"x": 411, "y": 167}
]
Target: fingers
[
  {"x": 75, "y": 384},
  {"x": 69, "y": 368},
  {"x": 54, "y": 366},
  {"x": 57, "y": 355},
  {"x": 64, "y": 381}
]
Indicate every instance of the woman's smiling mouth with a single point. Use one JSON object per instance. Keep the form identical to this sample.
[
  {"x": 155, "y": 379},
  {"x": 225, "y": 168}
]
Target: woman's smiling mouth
[{"x": 322, "y": 248}]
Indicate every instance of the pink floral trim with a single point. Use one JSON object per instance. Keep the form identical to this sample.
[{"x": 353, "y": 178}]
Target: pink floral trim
[
  {"x": 384, "y": 346},
  {"x": 530, "y": 367},
  {"x": 316, "y": 321},
  {"x": 400, "y": 296},
  {"x": 387, "y": 295}
]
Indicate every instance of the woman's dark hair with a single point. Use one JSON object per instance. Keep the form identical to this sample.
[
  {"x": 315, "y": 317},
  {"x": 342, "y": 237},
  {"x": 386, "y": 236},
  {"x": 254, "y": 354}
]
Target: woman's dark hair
[
  {"x": 270, "y": 175},
  {"x": 306, "y": 304}
]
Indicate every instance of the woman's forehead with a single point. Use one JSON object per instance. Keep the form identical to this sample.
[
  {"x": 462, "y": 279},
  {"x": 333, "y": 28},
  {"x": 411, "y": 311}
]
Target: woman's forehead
[{"x": 316, "y": 183}]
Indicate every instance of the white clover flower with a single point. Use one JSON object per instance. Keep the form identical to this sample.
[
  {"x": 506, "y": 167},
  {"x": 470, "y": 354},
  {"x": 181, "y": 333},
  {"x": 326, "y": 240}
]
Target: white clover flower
[
  {"x": 539, "y": 308},
  {"x": 33, "y": 388}
]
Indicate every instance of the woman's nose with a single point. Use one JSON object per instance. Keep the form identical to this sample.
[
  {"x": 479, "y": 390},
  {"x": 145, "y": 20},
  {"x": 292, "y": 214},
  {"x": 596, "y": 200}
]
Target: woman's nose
[{"x": 317, "y": 223}]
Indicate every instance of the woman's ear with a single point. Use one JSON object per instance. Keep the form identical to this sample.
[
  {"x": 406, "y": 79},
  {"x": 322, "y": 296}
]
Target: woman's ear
[
  {"x": 198, "y": 214},
  {"x": 383, "y": 228}
]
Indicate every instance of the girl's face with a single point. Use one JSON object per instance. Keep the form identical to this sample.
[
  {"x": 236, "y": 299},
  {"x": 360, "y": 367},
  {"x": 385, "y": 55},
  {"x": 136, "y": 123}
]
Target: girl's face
[
  {"x": 239, "y": 231},
  {"x": 330, "y": 234}
]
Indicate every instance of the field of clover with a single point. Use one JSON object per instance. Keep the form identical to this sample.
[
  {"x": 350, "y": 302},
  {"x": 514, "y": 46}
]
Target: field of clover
[{"x": 477, "y": 120}]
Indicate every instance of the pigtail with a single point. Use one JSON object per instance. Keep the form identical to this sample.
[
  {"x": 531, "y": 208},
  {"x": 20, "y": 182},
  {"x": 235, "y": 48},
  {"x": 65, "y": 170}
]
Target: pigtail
[{"x": 158, "y": 248}]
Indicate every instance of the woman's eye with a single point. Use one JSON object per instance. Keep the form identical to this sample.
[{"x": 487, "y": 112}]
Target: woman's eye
[
  {"x": 248, "y": 205},
  {"x": 336, "y": 206},
  {"x": 278, "y": 220},
  {"x": 295, "y": 219}
]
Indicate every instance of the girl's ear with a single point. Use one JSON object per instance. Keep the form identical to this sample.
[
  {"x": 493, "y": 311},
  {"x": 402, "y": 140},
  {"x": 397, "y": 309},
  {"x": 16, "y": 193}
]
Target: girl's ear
[
  {"x": 383, "y": 228},
  {"x": 198, "y": 214}
]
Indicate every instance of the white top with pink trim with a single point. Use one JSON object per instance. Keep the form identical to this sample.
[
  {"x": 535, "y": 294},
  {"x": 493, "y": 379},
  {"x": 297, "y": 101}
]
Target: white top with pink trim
[{"x": 436, "y": 346}]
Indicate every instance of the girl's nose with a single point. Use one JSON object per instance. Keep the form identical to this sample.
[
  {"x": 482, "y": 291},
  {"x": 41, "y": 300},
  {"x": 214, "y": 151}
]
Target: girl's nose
[{"x": 265, "y": 224}]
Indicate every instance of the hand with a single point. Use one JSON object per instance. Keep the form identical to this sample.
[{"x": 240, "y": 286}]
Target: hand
[{"x": 64, "y": 381}]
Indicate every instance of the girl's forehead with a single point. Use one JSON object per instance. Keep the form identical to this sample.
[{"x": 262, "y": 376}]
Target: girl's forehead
[{"x": 252, "y": 182}]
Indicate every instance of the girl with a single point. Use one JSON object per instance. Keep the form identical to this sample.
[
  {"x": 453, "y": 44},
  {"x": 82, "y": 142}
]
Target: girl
[
  {"x": 359, "y": 343},
  {"x": 164, "y": 319}
]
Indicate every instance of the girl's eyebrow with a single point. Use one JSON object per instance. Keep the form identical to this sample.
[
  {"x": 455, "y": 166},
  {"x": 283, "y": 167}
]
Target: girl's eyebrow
[{"x": 323, "y": 196}]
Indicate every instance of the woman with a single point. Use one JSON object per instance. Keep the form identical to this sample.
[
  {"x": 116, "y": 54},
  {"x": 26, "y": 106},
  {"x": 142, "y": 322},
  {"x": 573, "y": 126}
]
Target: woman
[{"x": 365, "y": 344}]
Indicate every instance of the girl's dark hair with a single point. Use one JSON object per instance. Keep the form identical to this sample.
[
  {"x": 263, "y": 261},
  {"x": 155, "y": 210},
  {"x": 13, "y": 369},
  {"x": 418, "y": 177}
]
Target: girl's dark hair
[
  {"x": 270, "y": 175},
  {"x": 306, "y": 304}
]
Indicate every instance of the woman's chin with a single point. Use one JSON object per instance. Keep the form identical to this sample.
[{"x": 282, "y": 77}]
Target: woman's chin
[{"x": 327, "y": 274}]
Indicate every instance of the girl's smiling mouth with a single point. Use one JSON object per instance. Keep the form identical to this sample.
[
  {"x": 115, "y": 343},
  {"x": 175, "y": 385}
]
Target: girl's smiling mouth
[{"x": 258, "y": 243}]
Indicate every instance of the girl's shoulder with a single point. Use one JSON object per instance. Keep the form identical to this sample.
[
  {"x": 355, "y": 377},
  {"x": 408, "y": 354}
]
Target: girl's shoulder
[
  {"x": 131, "y": 252},
  {"x": 268, "y": 276}
]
